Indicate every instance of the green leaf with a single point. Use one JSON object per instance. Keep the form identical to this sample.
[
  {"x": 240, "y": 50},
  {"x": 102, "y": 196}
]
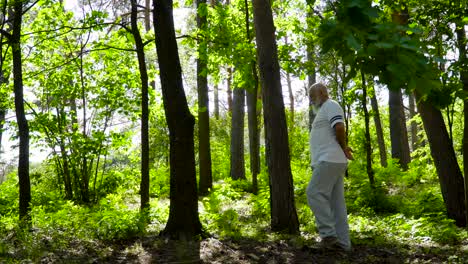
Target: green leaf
[
  {"x": 384, "y": 45},
  {"x": 352, "y": 42}
]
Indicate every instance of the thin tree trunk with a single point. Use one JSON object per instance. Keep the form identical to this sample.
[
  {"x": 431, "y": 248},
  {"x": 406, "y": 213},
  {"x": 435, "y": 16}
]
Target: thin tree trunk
[
  {"x": 237, "y": 135},
  {"x": 379, "y": 130},
  {"x": 147, "y": 15},
  {"x": 204, "y": 150},
  {"x": 2, "y": 122},
  {"x": 183, "y": 222},
  {"x": 216, "y": 101},
  {"x": 311, "y": 75},
  {"x": 445, "y": 160},
  {"x": 213, "y": 4},
  {"x": 463, "y": 59},
  {"x": 291, "y": 98},
  {"x": 414, "y": 125},
  {"x": 398, "y": 131},
  {"x": 290, "y": 91},
  {"x": 283, "y": 209},
  {"x": 368, "y": 147},
  {"x": 254, "y": 136},
  {"x": 147, "y": 29},
  {"x": 64, "y": 155},
  {"x": 23, "y": 163},
  {"x": 144, "y": 184},
  {"x": 229, "y": 90},
  {"x": 3, "y": 109}
]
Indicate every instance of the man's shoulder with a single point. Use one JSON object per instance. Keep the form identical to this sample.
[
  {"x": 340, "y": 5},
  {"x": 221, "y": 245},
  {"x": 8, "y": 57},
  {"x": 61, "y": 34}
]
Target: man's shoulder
[{"x": 330, "y": 103}]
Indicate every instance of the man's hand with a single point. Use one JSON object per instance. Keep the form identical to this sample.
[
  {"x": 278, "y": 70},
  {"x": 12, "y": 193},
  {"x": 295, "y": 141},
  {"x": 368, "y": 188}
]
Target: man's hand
[{"x": 348, "y": 153}]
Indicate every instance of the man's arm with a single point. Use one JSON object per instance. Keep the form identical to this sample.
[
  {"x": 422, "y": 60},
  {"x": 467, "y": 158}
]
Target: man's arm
[{"x": 341, "y": 138}]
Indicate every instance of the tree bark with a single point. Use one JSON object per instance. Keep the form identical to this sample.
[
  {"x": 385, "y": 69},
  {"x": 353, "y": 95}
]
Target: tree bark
[
  {"x": 379, "y": 130},
  {"x": 204, "y": 150},
  {"x": 144, "y": 184},
  {"x": 368, "y": 146},
  {"x": 311, "y": 73},
  {"x": 183, "y": 222},
  {"x": 2, "y": 122},
  {"x": 23, "y": 163},
  {"x": 283, "y": 210},
  {"x": 237, "y": 135},
  {"x": 445, "y": 160},
  {"x": 290, "y": 91},
  {"x": 3, "y": 109},
  {"x": 291, "y": 98},
  {"x": 254, "y": 135},
  {"x": 229, "y": 90},
  {"x": 398, "y": 131},
  {"x": 414, "y": 125},
  {"x": 463, "y": 59},
  {"x": 216, "y": 101}
]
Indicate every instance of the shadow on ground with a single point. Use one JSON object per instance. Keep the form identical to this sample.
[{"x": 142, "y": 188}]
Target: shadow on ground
[{"x": 154, "y": 249}]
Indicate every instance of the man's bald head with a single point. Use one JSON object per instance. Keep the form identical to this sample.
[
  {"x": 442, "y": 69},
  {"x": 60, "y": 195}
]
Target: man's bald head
[{"x": 318, "y": 92}]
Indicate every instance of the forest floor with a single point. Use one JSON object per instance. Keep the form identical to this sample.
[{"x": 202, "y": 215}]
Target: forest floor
[{"x": 153, "y": 249}]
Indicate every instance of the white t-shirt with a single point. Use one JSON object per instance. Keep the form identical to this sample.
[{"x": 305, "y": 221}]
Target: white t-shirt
[{"x": 323, "y": 143}]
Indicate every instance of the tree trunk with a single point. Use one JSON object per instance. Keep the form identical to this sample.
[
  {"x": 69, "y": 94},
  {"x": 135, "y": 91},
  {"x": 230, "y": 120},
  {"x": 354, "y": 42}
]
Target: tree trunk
[
  {"x": 229, "y": 90},
  {"x": 237, "y": 135},
  {"x": 463, "y": 59},
  {"x": 216, "y": 101},
  {"x": 445, "y": 160},
  {"x": 254, "y": 136},
  {"x": 183, "y": 222},
  {"x": 3, "y": 109},
  {"x": 145, "y": 179},
  {"x": 414, "y": 125},
  {"x": 283, "y": 210},
  {"x": 398, "y": 131},
  {"x": 290, "y": 91},
  {"x": 23, "y": 163},
  {"x": 61, "y": 116},
  {"x": 291, "y": 98},
  {"x": 367, "y": 144},
  {"x": 379, "y": 130},
  {"x": 2, "y": 122},
  {"x": 311, "y": 74},
  {"x": 204, "y": 151}
]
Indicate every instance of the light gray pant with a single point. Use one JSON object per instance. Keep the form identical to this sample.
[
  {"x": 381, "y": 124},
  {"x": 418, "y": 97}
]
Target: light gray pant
[{"x": 325, "y": 195}]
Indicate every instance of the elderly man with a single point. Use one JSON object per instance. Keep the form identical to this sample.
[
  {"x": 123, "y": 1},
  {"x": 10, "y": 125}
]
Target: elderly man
[{"x": 329, "y": 154}]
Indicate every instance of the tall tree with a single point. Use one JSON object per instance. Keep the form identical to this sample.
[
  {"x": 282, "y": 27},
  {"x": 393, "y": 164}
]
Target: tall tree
[
  {"x": 311, "y": 72},
  {"x": 204, "y": 150},
  {"x": 398, "y": 130},
  {"x": 445, "y": 160},
  {"x": 237, "y": 135},
  {"x": 2, "y": 123},
  {"x": 254, "y": 137},
  {"x": 213, "y": 4},
  {"x": 367, "y": 143},
  {"x": 414, "y": 125},
  {"x": 183, "y": 222},
  {"x": 229, "y": 90},
  {"x": 379, "y": 130},
  {"x": 283, "y": 210},
  {"x": 463, "y": 61},
  {"x": 290, "y": 91},
  {"x": 144, "y": 184},
  {"x": 23, "y": 163}
]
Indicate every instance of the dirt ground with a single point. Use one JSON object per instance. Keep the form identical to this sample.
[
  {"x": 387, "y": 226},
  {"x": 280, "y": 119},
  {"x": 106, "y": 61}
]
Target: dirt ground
[{"x": 153, "y": 249}]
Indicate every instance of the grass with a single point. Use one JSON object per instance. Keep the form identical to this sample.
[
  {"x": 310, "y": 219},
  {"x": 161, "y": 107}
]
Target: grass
[{"x": 403, "y": 217}]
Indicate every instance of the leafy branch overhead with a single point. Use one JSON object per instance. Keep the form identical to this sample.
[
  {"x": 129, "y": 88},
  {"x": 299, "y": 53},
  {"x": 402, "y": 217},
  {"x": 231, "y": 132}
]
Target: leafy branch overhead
[{"x": 367, "y": 39}]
